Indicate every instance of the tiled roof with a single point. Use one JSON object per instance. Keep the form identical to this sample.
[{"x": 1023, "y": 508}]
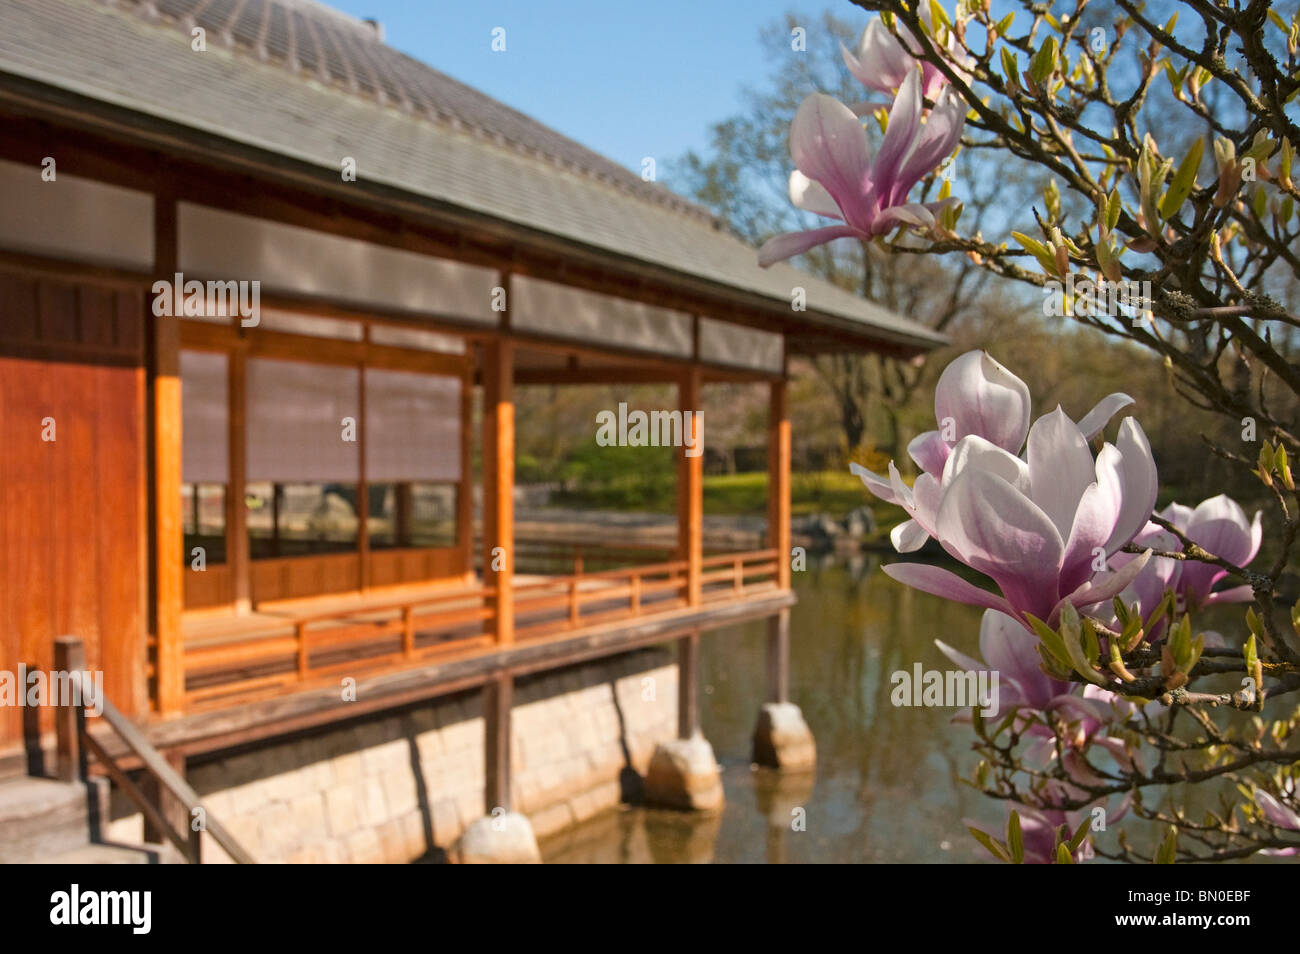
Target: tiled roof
[{"x": 306, "y": 82}]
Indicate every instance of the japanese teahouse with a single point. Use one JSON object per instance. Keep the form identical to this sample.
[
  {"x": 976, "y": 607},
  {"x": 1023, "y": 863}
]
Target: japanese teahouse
[{"x": 256, "y": 268}]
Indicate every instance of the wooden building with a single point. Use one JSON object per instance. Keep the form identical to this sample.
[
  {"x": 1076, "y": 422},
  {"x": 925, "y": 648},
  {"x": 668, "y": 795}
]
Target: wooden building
[{"x": 183, "y": 472}]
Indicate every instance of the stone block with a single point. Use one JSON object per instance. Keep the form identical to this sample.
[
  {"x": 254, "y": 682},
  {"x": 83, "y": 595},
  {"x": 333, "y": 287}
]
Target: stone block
[
  {"x": 782, "y": 739},
  {"x": 683, "y": 774},
  {"x": 503, "y": 839}
]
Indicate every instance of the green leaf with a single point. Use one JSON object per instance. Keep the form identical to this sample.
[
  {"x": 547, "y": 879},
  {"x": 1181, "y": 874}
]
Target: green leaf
[
  {"x": 1063, "y": 856},
  {"x": 1080, "y": 833},
  {"x": 995, "y": 848},
  {"x": 1113, "y": 208},
  {"x": 1010, "y": 66},
  {"x": 1015, "y": 839},
  {"x": 1168, "y": 848},
  {"x": 1036, "y": 248},
  {"x": 1005, "y": 24},
  {"x": 1184, "y": 180},
  {"x": 1044, "y": 61}
]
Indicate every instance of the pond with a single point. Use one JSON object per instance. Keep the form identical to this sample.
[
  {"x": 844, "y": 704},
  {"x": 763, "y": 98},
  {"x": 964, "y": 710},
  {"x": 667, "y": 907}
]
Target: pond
[{"x": 887, "y": 787}]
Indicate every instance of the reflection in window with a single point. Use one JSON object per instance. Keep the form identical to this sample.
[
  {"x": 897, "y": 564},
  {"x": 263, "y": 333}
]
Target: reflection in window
[
  {"x": 203, "y": 521},
  {"x": 301, "y": 519},
  {"x": 412, "y": 514}
]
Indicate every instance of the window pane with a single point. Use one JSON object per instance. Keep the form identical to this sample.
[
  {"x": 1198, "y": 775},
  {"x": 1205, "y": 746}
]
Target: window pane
[
  {"x": 412, "y": 515},
  {"x": 412, "y": 426},
  {"x": 298, "y": 519},
  {"x": 203, "y": 520},
  {"x": 204, "y": 418},
  {"x": 296, "y": 429}
]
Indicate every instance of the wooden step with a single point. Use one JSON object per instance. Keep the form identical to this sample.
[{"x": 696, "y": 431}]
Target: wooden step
[{"x": 41, "y": 817}]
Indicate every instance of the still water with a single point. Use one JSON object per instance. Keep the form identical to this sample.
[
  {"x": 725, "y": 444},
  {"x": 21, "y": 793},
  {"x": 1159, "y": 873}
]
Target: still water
[{"x": 887, "y": 787}]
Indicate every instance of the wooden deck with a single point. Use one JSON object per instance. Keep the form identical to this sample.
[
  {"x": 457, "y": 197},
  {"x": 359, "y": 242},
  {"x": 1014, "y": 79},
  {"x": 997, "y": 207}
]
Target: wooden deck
[{"x": 302, "y": 644}]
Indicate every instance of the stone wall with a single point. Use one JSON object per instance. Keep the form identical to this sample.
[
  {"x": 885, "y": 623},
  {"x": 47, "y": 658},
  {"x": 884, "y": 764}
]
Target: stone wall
[{"x": 402, "y": 785}]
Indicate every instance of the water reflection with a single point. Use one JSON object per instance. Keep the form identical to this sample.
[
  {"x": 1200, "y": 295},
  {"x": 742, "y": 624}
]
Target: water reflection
[{"x": 887, "y": 783}]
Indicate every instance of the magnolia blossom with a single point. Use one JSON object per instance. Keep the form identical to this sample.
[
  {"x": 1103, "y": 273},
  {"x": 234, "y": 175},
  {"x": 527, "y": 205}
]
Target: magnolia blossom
[
  {"x": 835, "y": 175},
  {"x": 1218, "y": 525},
  {"x": 1037, "y": 526},
  {"x": 881, "y": 62},
  {"x": 975, "y": 395},
  {"x": 1281, "y": 816}
]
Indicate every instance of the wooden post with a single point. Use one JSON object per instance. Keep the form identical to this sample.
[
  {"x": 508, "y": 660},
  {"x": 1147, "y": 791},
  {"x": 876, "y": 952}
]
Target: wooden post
[
  {"x": 236, "y": 487},
  {"x": 778, "y": 657},
  {"x": 778, "y": 482},
  {"x": 69, "y": 656},
  {"x": 363, "y": 486},
  {"x": 172, "y": 809},
  {"x": 499, "y": 482},
  {"x": 498, "y": 697},
  {"x": 690, "y": 488},
  {"x": 688, "y": 658},
  {"x": 168, "y": 547},
  {"x": 465, "y": 488}
]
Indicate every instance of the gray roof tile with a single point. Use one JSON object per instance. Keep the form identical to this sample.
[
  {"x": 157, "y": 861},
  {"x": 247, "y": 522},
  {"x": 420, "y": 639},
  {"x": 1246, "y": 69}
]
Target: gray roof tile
[{"x": 301, "y": 80}]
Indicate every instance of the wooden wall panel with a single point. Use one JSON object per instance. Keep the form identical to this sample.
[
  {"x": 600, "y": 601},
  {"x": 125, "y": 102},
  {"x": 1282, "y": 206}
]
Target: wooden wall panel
[{"x": 72, "y": 509}]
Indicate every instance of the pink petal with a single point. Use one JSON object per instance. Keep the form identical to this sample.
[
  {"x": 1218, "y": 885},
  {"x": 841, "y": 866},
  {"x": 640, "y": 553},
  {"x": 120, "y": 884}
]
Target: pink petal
[
  {"x": 880, "y": 486},
  {"x": 900, "y": 136},
  {"x": 935, "y": 143},
  {"x": 929, "y": 450},
  {"x": 982, "y": 397},
  {"x": 1138, "y": 482},
  {"x": 974, "y": 451},
  {"x": 908, "y": 537},
  {"x": 829, "y": 146},
  {"x": 944, "y": 583},
  {"x": 781, "y": 247},
  {"x": 812, "y": 196},
  {"x": 994, "y": 528},
  {"x": 1095, "y": 420},
  {"x": 1104, "y": 587},
  {"x": 1060, "y": 468}
]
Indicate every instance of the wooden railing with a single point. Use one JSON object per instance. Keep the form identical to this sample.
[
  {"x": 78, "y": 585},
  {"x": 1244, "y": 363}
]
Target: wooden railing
[
  {"x": 75, "y": 743},
  {"x": 316, "y": 645},
  {"x": 326, "y": 642},
  {"x": 562, "y": 602},
  {"x": 742, "y": 571}
]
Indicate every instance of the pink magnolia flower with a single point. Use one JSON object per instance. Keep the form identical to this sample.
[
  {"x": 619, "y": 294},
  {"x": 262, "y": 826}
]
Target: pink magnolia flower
[
  {"x": 1281, "y": 816},
  {"x": 1217, "y": 524},
  {"x": 836, "y": 177},
  {"x": 1035, "y": 527},
  {"x": 882, "y": 61},
  {"x": 977, "y": 396}
]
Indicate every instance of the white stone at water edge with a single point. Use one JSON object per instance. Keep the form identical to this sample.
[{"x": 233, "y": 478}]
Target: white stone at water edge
[
  {"x": 684, "y": 774},
  {"x": 498, "y": 840},
  {"x": 782, "y": 739}
]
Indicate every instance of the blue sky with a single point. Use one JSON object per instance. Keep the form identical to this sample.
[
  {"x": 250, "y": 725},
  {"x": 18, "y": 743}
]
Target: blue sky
[{"x": 624, "y": 78}]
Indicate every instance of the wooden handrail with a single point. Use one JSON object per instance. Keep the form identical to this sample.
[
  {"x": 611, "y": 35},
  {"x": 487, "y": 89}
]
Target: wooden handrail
[{"x": 69, "y": 657}]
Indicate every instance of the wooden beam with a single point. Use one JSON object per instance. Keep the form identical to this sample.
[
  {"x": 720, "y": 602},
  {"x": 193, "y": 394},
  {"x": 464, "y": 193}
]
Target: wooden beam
[
  {"x": 69, "y": 656},
  {"x": 688, "y": 677},
  {"x": 778, "y": 657},
  {"x": 363, "y": 486},
  {"x": 498, "y": 697},
  {"x": 778, "y": 481},
  {"x": 165, "y": 433},
  {"x": 237, "y": 554},
  {"x": 499, "y": 483},
  {"x": 690, "y": 488},
  {"x": 465, "y": 488}
]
